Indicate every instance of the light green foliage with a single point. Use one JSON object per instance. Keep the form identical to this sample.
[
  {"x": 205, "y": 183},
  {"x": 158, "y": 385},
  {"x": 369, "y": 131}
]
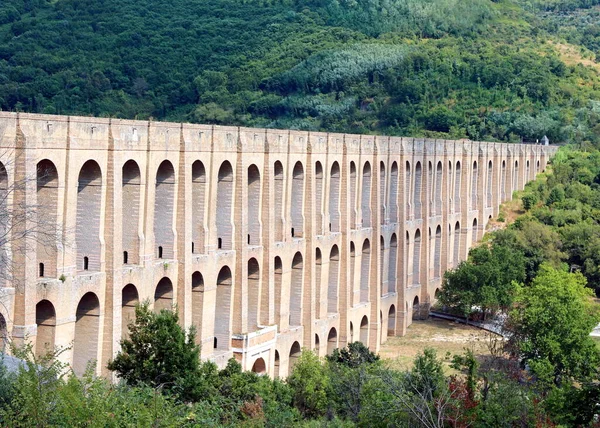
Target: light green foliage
[
  {"x": 551, "y": 324},
  {"x": 311, "y": 385}
]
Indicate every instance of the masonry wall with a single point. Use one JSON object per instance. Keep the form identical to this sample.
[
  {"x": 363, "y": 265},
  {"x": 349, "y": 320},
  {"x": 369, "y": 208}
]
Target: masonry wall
[{"x": 268, "y": 241}]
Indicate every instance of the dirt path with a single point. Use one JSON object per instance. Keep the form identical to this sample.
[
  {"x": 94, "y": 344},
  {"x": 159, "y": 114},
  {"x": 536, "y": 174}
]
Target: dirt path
[{"x": 442, "y": 335}]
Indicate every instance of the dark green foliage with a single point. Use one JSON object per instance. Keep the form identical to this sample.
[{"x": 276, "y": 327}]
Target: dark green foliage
[{"x": 354, "y": 355}]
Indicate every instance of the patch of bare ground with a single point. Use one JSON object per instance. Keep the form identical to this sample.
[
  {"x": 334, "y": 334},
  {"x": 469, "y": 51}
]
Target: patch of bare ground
[
  {"x": 573, "y": 55},
  {"x": 442, "y": 335},
  {"x": 509, "y": 211}
]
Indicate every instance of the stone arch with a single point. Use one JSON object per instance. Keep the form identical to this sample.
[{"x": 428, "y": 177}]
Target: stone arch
[
  {"x": 537, "y": 166},
  {"x": 130, "y": 211},
  {"x": 3, "y": 333},
  {"x": 317, "y": 344},
  {"x": 259, "y": 366},
  {"x": 503, "y": 182},
  {"x": 253, "y": 294},
  {"x": 456, "y": 252},
  {"x": 366, "y": 195},
  {"x": 365, "y": 270},
  {"x": 276, "y": 364},
  {"x": 393, "y": 202},
  {"x": 527, "y": 170},
  {"x": 489, "y": 185},
  {"x": 295, "y": 352},
  {"x": 351, "y": 332},
  {"x": 334, "y": 198},
  {"x": 47, "y": 211},
  {"x": 225, "y": 189},
  {"x": 3, "y": 225},
  {"x": 352, "y": 195},
  {"x": 87, "y": 329},
  {"x": 417, "y": 190},
  {"x": 198, "y": 304},
  {"x": 163, "y": 295},
  {"x": 198, "y": 206},
  {"x": 474, "y": 177},
  {"x": 391, "y": 327},
  {"x": 437, "y": 253},
  {"x": 353, "y": 270},
  {"x": 319, "y": 206},
  {"x": 382, "y": 191},
  {"x": 334, "y": 272},
  {"x": 417, "y": 258},
  {"x": 383, "y": 286},
  {"x": 474, "y": 232},
  {"x": 332, "y": 341},
  {"x": 296, "y": 283},
  {"x": 438, "y": 189},
  {"x": 45, "y": 319},
  {"x": 457, "y": 178},
  {"x": 223, "y": 310},
  {"x": 129, "y": 300},
  {"x": 436, "y": 295},
  {"x": 407, "y": 191},
  {"x": 297, "y": 202},
  {"x": 364, "y": 330},
  {"x": 164, "y": 202},
  {"x": 318, "y": 283},
  {"x": 89, "y": 202},
  {"x": 415, "y": 308},
  {"x": 278, "y": 179},
  {"x": 393, "y": 260},
  {"x": 277, "y": 284},
  {"x": 515, "y": 179},
  {"x": 253, "y": 207}
]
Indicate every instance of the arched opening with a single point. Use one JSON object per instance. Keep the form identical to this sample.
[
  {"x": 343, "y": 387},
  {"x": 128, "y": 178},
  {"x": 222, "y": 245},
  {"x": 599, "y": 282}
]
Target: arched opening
[
  {"x": 503, "y": 182},
  {"x": 457, "y": 173},
  {"x": 277, "y": 283},
  {"x": 408, "y": 260},
  {"x": 352, "y": 195},
  {"x": 474, "y": 232},
  {"x": 296, "y": 290},
  {"x": 416, "y": 309},
  {"x": 383, "y": 278},
  {"x": 437, "y": 294},
  {"x": 224, "y": 201},
  {"x": 164, "y": 202},
  {"x": 353, "y": 272},
  {"x": 276, "y": 364},
  {"x": 489, "y": 185},
  {"x": 253, "y": 294},
  {"x": 297, "y": 202},
  {"x": 163, "y": 295},
  {"x": 334, "y": 198},
  {"x": 438, "y": 189},
  {"x": 130, "y": 211},
  {"x": 366, "y": 196},
  {"x": 417, "y": 258},
  {"x": 392, "y": 264},
  {"x": 278, "y": 200},
  {"x": 317, "y": 344},
  {"x": 198, "y": 206},
  {"x": 223, "y": 309},
  {"x": 364, "y": 331},
  {"x": 393, "y": 202},
  {"x": 254, "y": 205},
  {"x": 198, "y": 304},
  {"x": 417, "y": 191},
  {"x": 295, "y": 352},
  {"x": 365, "y": 271},
  {"x": 129, "y": 300},
  {"x": 3, "y": 333},
  {"x": 87, "y": 328},
  {"x": 259, "y": 366},
  {"x": 332, "y": 341},
  {"x": 45, "y": 318},
  {"x": 320, "y": 302},
  {"x": 408, "y": 190},
  {"x": 515, "y": 180},
  {"x": 474, "y": 177},
  {"x": 47, "y": 209},
  {"x": 89, "y": 201},
  {"x": 382, "y": 192},
  {"x": 527, "y": 171},
  {"x": 537, "y": 166},
  {"x": 456, "y": 256},
  {"x": 319, "y": 207},
  {"x": 4, "y": 224},
  {"x": 391, "y": 327},
  {"x": 332, "y": 289},
  {"x": 437, "y": 253}
]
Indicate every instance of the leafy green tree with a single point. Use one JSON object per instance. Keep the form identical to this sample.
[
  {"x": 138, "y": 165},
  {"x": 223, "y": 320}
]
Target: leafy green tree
[
  {"x": 354, "y": 355},
  {"x": 550, "y": 326},
  {"x": 160, "y": 353},
  {"x": 310, "y": 384}
]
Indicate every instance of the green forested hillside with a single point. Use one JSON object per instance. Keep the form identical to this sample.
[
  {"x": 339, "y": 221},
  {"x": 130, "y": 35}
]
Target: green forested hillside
[{"x": 458, "y": 68}]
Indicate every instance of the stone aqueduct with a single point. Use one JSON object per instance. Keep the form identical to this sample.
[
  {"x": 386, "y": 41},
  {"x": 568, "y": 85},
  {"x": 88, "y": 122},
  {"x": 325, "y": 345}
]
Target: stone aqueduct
[{"x": 268, "y": 241}]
